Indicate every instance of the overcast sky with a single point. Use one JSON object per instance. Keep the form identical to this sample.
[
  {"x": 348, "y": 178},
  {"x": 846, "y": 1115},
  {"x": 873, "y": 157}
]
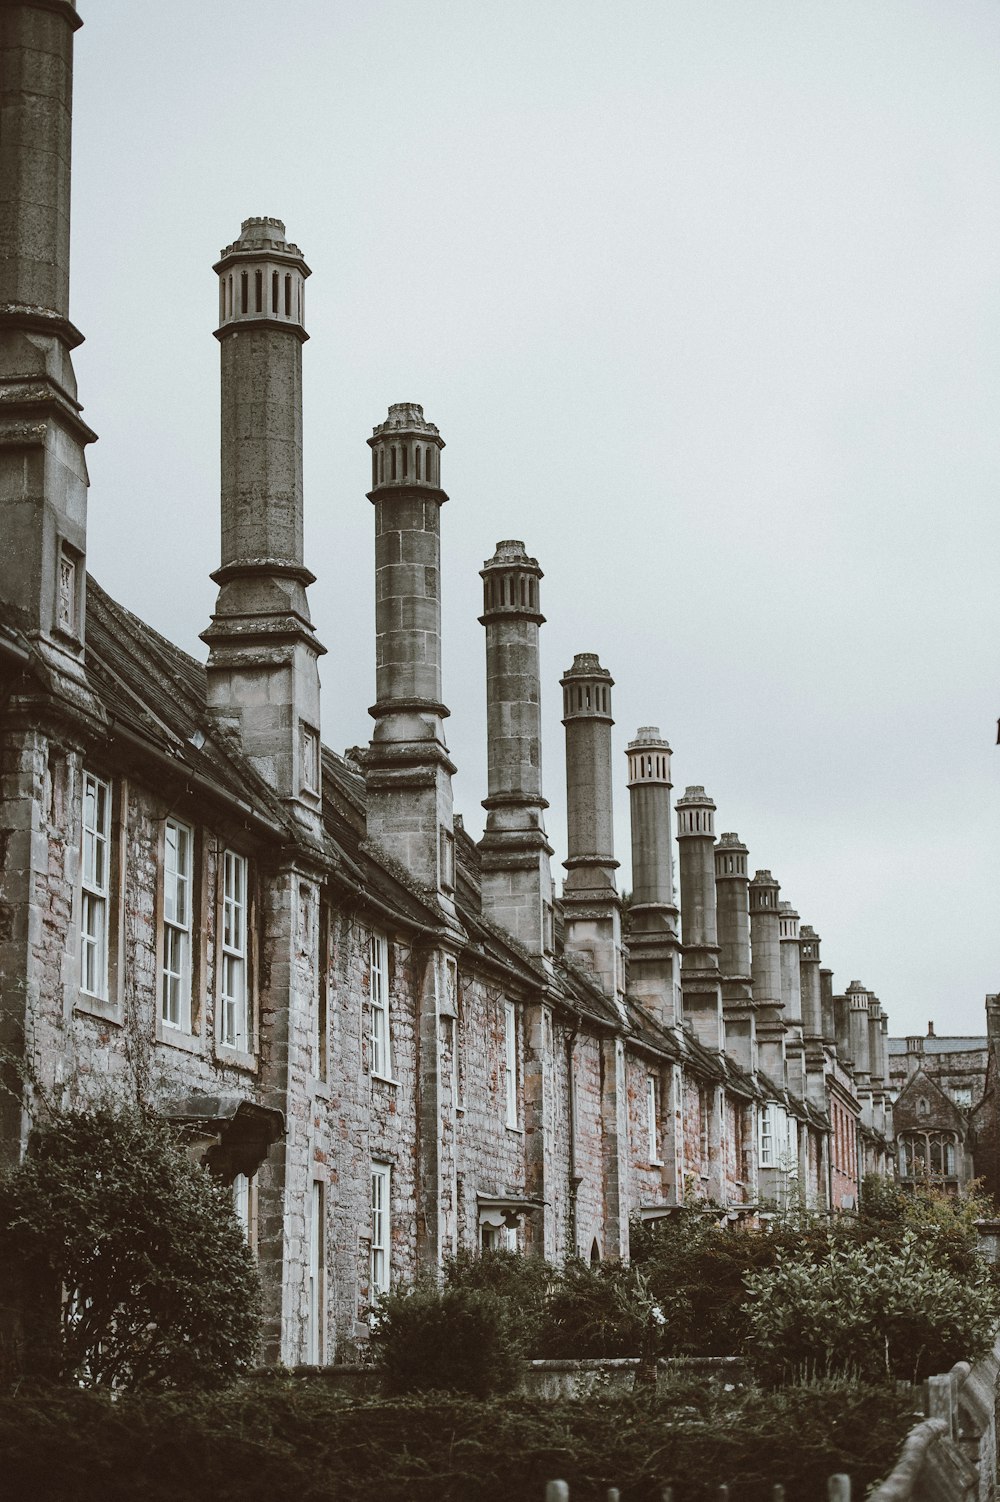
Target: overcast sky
[{"x": 704, "y": 298}]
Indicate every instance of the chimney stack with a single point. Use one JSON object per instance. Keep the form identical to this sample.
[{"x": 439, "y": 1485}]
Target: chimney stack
[
  {"x": 516, "y": 876},
  {"x": 407, "y": 766},
  {"x": 732, "y": 905},
  {"x": 263, "y": 677},
  {"x": 591, "y": 906},
  {"x": 43, "y": 471},
  {"x": 700, "y": 979},
  {"x": 653, "y": 939},
  {"x": 765, "y": 944},
  {"x": 858, "y": 998}
]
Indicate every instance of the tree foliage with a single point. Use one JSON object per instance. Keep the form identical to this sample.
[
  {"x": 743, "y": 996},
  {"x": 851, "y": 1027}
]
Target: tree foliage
[
  {"x": 874, "y": 1311},
  {"x": 132, "y": 1270}
]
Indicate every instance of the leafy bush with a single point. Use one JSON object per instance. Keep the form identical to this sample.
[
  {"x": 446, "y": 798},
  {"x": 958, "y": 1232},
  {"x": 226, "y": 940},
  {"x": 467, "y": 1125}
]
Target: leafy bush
[
  {"x": 130, "y": 1267},
  {"x": 452, "y": 1339},
  {"x": 295, "y": 1440},
  {"x": 876, "y": 1311}
]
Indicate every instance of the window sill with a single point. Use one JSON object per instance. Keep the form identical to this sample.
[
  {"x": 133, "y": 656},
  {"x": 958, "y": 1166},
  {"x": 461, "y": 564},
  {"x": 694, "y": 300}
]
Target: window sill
[
  {"x": 235, "y": 1057},
  {"x": 176, "y": 1037},
  {"x": 384, "y": 1079},
  {"x": 656, "y": 1162},
  {"x": 99, "y": 1006},
  {"x": 516, "y": 1130}
]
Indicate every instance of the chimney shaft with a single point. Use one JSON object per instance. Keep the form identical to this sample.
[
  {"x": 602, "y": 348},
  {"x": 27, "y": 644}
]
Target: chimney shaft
[
  {"x": 590, "y": 898},
  {"x": 860, "y": 1052},
  {"x": 262, "y": 667},
  {"x": 812, "y": 985},
  {"x": 732, "y": 901},
  {"x": 43, "y": 471},
  {"x": 732, "y": 906},
  {"x": 653, "y": 939},
  {"x": 408, "y": 769},
  {"x": 700, "y": 980},
  {"x": 36, "y": 104},
  {"x": 516, "y": 876}
]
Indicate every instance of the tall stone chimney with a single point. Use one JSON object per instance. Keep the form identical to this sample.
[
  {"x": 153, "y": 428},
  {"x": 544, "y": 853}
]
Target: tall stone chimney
[
  {"x": 263, "y": 677},
  {"x": 791, "y": 996},
  {"x": 811, "y": 984},
  {"x": 858, "y": 1002},
  {"x": 765, "y": 944},
  {"x": 407, "y": 767},
  {"x": 591, "y": 905},
  {"x": 826, "y": 1004},
  {"x": 733, "y": 910},
  {"x": 700, "y": 978},
  {"x": 654, "y": 942},
  {"x": 43, "y": 472},
  {"x": 516, "y": 875}
]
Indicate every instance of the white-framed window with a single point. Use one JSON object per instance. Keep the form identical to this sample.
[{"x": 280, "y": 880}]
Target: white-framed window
[
  {"x": 317, "y": 1245},
  {"x": 96, "y": 886},
  {"x": 380, "y": 1270},
  {"x": 245, "y": 1206},
  {"x": 652, "y": 1123},
  {"x": 234, "y": 1031},
  {"x": 510, "y": 1061},
  {"x": 178, "y": 886},
  {"x": 381, "y": 1051},
  {"x": 791, "y": 1163},
  {"x": 766, "y": 1135}
]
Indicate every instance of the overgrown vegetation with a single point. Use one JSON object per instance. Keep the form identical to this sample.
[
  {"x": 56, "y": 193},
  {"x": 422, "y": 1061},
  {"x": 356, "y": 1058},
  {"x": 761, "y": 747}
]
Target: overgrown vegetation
[
  {"x": 287, "y": 1440},
  {"x": 899, "y": 1291},
  {"x": 123, "y": 1260}
]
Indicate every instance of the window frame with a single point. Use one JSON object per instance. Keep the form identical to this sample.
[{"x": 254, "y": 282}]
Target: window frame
[
  {"x": 380, "y": 1243},
  {"x": 511, "y": 1093},
  {"x": 95, "y": 890},
  {"x": 175, "y": 930},
  {"x": 765, "y": 1135},
  {"x": 379, "y": 1018},
  {"x": 233, "y": 958},
  {"x": 316, "y": 1275},
  {"x": 653, "y": 1120}
]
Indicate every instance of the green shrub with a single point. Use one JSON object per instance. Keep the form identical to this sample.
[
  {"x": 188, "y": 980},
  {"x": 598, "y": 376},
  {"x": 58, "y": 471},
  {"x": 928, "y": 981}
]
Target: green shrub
[
  {"x": 524, "y": 1283},
  {"x": 591, "y": 1312},
  {"x": 128, "y": 1264},
  {"x": 874, "y": 1311},
  {"x": 451, "y": 1339}
]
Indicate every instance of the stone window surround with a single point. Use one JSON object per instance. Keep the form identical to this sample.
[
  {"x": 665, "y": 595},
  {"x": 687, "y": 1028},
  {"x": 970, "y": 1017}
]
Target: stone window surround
[
  {"x": 244, "y": 1057},
  {"x": 109, "y": 1004},
  {"x": 178, "y": 930},
  {"x": 380, "y": 1016}
]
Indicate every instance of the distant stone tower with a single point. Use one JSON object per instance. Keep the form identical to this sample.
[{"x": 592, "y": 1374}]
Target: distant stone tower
[
  {"x": 654, "y": 942},
  {"x": 515, "y": 853},
  {"x": 263, "y": 651},
  {"x": 407, "y": 767}
]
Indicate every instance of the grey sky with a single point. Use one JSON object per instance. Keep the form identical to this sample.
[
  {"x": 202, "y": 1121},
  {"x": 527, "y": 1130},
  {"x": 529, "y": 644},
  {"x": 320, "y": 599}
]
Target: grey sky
[{"x": 704, "y": 297}]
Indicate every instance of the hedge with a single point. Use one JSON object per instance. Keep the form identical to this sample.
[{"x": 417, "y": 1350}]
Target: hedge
[{"x": 278, "y": 1438}]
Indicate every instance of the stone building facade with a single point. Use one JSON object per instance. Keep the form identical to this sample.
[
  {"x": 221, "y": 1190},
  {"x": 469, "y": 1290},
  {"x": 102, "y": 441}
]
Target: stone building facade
[{"x": 394, "y": 1040}]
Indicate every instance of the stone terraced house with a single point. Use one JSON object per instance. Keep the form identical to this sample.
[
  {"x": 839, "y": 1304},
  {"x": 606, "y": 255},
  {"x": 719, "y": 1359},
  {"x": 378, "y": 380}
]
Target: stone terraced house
[{"x": 393, "y": 1040}]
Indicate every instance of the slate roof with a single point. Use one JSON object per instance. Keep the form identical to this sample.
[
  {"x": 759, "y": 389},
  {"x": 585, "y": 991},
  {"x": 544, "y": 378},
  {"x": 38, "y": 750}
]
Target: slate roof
[{"x": 155, "y": 695}]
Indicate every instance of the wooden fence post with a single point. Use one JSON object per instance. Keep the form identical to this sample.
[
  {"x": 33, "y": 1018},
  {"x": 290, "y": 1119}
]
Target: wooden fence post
[
  {"x": 838, "y": 1488},
  {"x": 557, "y": 1491}
]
